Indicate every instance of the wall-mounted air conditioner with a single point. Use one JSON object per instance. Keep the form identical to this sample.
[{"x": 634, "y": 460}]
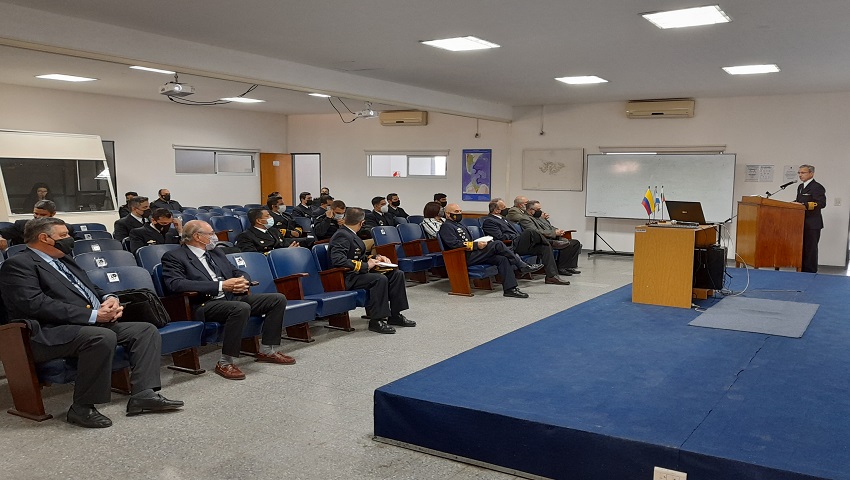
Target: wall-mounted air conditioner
[
  {"x": 662, "y": 108},
  {"x": 403, "y": 117}
]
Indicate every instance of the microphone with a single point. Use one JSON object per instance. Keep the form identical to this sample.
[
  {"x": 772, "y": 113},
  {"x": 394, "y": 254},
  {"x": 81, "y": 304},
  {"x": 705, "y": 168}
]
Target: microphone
[{"x": 786, "y": 184}]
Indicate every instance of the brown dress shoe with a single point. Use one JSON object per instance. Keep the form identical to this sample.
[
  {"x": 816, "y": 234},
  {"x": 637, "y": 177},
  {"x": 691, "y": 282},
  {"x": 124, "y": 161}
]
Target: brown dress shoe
[
  {"x": 229, "y": 371},
  {"x": 276, "y": 357},
  {"x": 556, "y": 281}
]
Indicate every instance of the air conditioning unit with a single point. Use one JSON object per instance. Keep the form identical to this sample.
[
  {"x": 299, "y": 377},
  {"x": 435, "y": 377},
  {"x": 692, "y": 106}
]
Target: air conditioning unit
[
  {"x": 663, "y": 108},
  {"x": 403, "y": 117}
]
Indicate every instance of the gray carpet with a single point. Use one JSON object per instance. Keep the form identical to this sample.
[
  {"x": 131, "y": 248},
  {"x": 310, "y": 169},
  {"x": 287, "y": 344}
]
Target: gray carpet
[{"x": 758, "y": 315}]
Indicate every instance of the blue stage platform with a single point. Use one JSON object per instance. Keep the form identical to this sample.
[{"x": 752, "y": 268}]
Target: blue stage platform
[{"x": 609, "y": 389}]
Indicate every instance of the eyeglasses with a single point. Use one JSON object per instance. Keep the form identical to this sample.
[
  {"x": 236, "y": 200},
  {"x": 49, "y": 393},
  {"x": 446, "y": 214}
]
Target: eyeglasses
[{"x": 206, "y": 233}]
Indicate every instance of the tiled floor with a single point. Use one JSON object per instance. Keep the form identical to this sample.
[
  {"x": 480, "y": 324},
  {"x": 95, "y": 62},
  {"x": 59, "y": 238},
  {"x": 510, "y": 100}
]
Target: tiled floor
[{"x": 312, "y": 420}]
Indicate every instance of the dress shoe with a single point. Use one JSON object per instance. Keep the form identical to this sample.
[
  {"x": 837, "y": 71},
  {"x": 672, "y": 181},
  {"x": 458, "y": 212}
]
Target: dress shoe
[
  {"x": 87, "y": 417},
  {"x": 530, "y": 268},
  {"x": 555, "y": 281},
  {"x": 275, "y": 357},
  {"x": 515, "y": 293},
  {"x": 380, "y": 326},
  {"x": 401, "y": 321},
  {"x": 565, "y": 272},
  {"x": 229, "y": 371},
  {"x": 157, "y": 403},
  {"x": 573, "y": 271}
]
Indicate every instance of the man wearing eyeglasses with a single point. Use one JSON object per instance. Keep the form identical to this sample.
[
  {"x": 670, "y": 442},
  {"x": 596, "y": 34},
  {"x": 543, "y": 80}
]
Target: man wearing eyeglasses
[
  {"x": 197, "y": 266},
  {"x": 812, "y": 195}
]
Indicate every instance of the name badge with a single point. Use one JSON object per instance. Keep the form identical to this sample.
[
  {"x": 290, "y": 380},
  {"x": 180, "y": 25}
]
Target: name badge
[
  {"x": 95, "y": 247},
  {"x": 100, "y": 262},
  {"x": 112, "y": 277},
  {"x": 240, "y": 262}
]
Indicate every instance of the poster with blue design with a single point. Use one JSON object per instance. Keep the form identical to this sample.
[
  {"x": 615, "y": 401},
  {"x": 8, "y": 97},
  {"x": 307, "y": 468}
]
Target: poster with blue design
[{"x": 476, "y": 175}]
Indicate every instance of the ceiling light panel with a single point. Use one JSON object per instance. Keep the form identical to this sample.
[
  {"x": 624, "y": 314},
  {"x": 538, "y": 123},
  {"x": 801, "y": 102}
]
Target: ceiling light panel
[
  {"x": 582, "y": 80},
  {"x": 751, "y": 69},
  {"x": 154, "y": 70},
  {"x": 65, "y": 78},
  {"x": 242, "y": 100},
  {"x": 688, "y": 17},
  {"x": 320, "y": 95},
  {"x": 461, "y": 44}
]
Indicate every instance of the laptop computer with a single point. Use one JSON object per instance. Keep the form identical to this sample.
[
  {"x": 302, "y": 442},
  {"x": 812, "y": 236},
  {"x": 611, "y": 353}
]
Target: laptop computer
[{"x": 685, "y": 211}]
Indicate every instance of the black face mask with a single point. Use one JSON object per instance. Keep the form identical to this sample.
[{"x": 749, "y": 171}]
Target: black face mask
[
  {"x": 64, "y": 245},
  {"x": 396, "y": 203},
  {"x": 538, "y": 213},
  {"x": 444, "y": 203},
  {"x": 163, "y": 229},
  {"x": 456, "y": 217},
  {"x": 146, "y": 213},
  {"x": 504, "y": 211},
  {"x": 167, "y": 198}
]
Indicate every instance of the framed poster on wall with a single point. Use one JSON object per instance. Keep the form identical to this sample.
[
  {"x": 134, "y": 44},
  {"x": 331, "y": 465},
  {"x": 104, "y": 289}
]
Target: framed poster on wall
[
  {"x": 553, "y": 169},
  {"x": 477, "y": 180}
]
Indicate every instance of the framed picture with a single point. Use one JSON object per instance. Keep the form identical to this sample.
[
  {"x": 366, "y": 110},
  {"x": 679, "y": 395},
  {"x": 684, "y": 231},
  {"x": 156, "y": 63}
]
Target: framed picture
[
  {"x": 553, "y": 169},
  {"x": 476, "y": 175}
]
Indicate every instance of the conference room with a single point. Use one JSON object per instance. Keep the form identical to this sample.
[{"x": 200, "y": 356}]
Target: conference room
[{"x": 505, "y": 103}]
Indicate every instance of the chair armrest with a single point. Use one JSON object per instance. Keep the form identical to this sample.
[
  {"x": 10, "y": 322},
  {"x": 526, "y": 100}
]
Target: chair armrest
[
  {"x": 388, "y": 250},
  {"x": 319, "y": 242},
  {"x": 222, "y": 235},
  {"x": 333, "y": 279},
  {"x": 433, "y": 245},
  {"x": 413, "y": 248},
  {"x": 178, "y": 305},
  {"x": 568, "y": 234},
  {"x": 290, "y": 286}
]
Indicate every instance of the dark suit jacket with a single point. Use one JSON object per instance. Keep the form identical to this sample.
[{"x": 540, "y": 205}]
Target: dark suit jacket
[
  {"x": 348, "y": 251},
  {"x": 814, "y": 192},
  {"x": 123, "y": 226},
  {"x": 302, "y": 211},
  {"x": 253, "y": 240},
  {"x": 123, "y": 211},
  {"x": 398, "y": 212},
  {"x": 456, "y": 235},
  {"x": 169, "y": 205},
  {"x": 182, "y": 271},
  {"x": 325, "y": 227},
  {"x": 35, "y": 292},
  {"x": 15, "y": 233},
  {"x": 375, "y": 219},
  {"x": 284, "y": 222},
  {"x": 147, "y": 235},
  {"x": 498, "y": 228}
]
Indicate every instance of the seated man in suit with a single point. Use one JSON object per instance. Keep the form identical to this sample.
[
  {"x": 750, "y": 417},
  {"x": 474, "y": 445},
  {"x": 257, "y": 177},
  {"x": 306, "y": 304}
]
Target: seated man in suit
[
  {"x": 14, "y": 234},
  {"x": 124, "y": 210},
  {"x": 140, "y": 213},
  {"x": 303, "y": 209},
  {"x": 387, "y": 294},
  {"x": 69, "y": 316},
  {"x": 158, "y": 231},
  {"x": 165, "y": 201},
  {"x": 528, "y": 214},
  {"x": 326, "y": 225},
  {"x": 198, "y": 266},
  {"x": 394, "y": 207},
  {"x": 262, "y": 236},
  {"x": 529, "y": 242},
  {"x": 322, "y": 205},
  {"x": 454, "y": 234},
  {"x": 284, "y": 222},
  {"x": 379, "y": 216}
]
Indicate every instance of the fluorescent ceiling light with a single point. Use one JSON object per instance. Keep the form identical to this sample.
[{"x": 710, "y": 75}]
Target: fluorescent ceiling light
[
  {"x": 65, "y": 78},
  {"x": 242, "y": 100},
  {"x": 154, "y": 70},
  {"x": 688, "y": 17},
  {"x": 583, "y": 80},
  {"x": 460, "y": 44},
  {"x": 320, "y": 95},
  {"x": 751, "y": 69}
]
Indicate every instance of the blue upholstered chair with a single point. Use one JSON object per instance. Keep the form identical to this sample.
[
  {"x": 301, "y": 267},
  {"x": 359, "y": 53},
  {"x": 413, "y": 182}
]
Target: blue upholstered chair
[
  {"x": 227, "y": 228},
  {"x": 299, "y": 278},
  {"x": 105, "y": 258},
  {"x": 246, "y": 224},
  {"x": 305, "y": 223},
  {"x": 14, "y": 249},
  {"x": 401, "y": 220},
  {"x": 323, "y": 260},
  {"x": 415, "y": 243},
  {"x": 216, "y": 210},
  {"x": 460, "y": 273},
  {"x": 232, "y": 206},
  {"x": 208, "y": 208},
  {"x": 88, "y": 227},
  {"x": 298, "y": 312},
  {"x": 148, "y": 256},
  {"x": 91, "y": 235},
  {"x": 205, "y": 216},
  {"x": 471, "y": 222},
  {"x": 193, "y": 211},
  {"x": 86, "y": 246},
  {"x": 249, "y": 206},
  {"x": 418, "y": 219},
  {"x": 388, "y": 243}
]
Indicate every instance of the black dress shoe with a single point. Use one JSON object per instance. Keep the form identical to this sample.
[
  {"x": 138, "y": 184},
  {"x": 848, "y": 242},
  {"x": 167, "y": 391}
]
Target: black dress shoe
[
  {"x": 573, "y": 271},
  {"x": 401, "y": 321},
  {"x": 515, "y": 293},
  {"x": 565, "y": 272},
  {"x": 530, "y": 268},
  {"x": 380, "y": 326},
  {"x": 87, "y": 417},
  {"x": 158, "y": 403},
  {"x": 555, "y": 281}
]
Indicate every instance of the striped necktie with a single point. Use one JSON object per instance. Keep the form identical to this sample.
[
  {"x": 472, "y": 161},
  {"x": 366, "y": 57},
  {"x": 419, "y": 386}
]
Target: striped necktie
[{"x": 92, "y": 298}]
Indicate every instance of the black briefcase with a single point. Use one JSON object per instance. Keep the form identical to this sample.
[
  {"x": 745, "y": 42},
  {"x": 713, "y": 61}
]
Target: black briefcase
[{"x": 141, "y": 305}]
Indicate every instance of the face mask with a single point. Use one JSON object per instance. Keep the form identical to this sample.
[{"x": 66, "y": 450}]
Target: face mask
[
  {"x": 269, "y": 222},
  {"x": 444, "y": 203},
  {"x": 456, "y": 217},
  {"x": 167, "y": 198},
  {"x": 338, "y": 216},
  {"x": 385, "y": 209},
  {"x": 397, "y": 203},
  {"x": 163, "y": 229},
  {"x": 504, "y": 211},
  {"x": 146, "y": 213},
  {"x": 538, "y": 213},
  {"x": 211, "y": 239},
  {"x": 64, "y": 245}
]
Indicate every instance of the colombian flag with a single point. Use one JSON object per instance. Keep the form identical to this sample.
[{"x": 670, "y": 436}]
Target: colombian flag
[{"x": 648, "y": 202}]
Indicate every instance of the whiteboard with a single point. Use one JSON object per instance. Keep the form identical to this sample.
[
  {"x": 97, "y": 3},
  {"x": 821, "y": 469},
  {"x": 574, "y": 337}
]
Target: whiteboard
[{"x": 616, "y": 183}]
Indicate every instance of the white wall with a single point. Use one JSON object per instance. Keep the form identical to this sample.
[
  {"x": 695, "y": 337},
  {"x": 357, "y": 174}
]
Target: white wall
[
  {"x": 144, "y": 132},
  {"x": 775, "y": 130},
  {"x": 344, "y": 162}
]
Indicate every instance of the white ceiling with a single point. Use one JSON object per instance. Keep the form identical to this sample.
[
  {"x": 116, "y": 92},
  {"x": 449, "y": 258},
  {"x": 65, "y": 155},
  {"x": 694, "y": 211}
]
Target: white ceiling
[{"x": 540, "y": 39}]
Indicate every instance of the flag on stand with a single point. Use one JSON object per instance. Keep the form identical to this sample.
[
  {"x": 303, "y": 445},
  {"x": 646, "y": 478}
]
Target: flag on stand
[
  {"x": 663, "y": 200},
  {"x": 657, "y": 200},
  {"x": 647, "y": 202}
]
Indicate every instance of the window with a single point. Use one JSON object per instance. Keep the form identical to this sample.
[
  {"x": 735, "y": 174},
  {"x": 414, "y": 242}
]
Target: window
[
  {"x": 74, "y": 185},
  {"x": 410, "y": 164},
  {"x": 204, "y": 161}
]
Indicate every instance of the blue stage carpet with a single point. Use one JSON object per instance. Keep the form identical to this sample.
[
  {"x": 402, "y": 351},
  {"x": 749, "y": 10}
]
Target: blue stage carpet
[{"x": 610, "y": 389}]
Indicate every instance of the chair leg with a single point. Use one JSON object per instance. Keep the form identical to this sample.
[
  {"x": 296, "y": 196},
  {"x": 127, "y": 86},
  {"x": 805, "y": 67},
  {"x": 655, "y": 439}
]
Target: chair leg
[
  {"x": 299, "y": 333},
  {"x": 418, "y": 277},
  {"x": 340, "y": 321},
  {"x": 483, "y": 283},
  {"x": 250, "y": 346},
  {"x": 23, "y": 383},
  {"x": 121, "y": 381},
  {"x": 187, "y": 361}
]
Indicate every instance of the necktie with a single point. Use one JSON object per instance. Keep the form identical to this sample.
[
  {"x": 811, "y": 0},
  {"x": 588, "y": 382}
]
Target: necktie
[
  {"x": 213, "y": 266},
  {"x": 95, "y": 303}
]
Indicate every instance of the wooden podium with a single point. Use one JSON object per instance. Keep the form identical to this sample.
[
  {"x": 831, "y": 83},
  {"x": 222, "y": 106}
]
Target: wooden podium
[
  {"x": 770, "y": 233},
  {"x": 664, "y": 263}
]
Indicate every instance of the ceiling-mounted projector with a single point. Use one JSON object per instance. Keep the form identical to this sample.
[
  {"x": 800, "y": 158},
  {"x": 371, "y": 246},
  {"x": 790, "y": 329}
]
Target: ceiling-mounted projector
[
  {"x": 368, "y": 112},
  {"x": 174, "y": 89}
]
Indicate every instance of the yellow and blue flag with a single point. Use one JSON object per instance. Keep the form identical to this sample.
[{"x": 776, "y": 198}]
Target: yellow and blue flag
[{"x": 648, "y": 202}]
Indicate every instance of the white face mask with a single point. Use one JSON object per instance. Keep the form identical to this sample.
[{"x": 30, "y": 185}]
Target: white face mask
[
  {"x": 269, "y": 222},
  {"x": 338, "y": 216},
  {"x": 385, "y": 209},
  {"x": 211, "y": 241}
]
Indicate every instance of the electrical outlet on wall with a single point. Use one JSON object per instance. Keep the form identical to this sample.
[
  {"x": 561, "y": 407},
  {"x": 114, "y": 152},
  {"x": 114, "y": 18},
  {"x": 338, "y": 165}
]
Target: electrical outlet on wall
[{"x": 666, "y": 474}]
